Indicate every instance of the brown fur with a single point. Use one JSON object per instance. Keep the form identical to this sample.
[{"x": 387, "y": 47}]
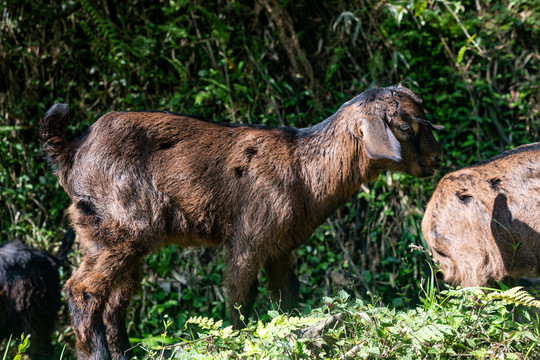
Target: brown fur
[
  {"x": 140, "y": 180},
  {"x": 483, "y": 222}
]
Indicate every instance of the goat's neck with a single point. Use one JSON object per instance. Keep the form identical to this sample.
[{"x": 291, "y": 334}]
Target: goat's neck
[{"x": 333, "y": 163}]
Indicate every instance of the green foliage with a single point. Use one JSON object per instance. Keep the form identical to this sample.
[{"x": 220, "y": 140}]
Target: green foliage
[
  {"x": 23, "y": 345},
  {"x": 458, "y": 323},
  {"x": 262, "y": 340},
  {"x": 474, "y": 63}
]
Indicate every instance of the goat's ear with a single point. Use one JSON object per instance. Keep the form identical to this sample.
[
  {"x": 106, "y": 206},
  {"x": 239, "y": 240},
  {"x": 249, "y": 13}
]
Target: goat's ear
[{"x": 379, "y": 141}]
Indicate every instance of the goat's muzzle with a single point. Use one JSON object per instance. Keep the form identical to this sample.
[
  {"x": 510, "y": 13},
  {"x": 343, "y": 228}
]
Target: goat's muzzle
[{"x": 430, "y": 165}]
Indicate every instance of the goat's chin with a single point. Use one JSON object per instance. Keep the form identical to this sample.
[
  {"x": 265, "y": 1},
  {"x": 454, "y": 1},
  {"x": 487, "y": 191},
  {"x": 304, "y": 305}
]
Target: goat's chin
[
  {"x": 422, "y": 171},
  {"x": 426, "y": 172}
]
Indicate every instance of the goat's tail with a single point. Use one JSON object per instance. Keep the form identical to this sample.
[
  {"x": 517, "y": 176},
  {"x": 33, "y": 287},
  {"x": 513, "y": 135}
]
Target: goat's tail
[
  {"x": 52, "y": 128},
  {"x": 65, "y": 248}
]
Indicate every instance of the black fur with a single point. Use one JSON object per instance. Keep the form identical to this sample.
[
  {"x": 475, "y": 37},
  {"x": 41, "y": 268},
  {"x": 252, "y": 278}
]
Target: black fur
[{"x": 30, "y": 294}]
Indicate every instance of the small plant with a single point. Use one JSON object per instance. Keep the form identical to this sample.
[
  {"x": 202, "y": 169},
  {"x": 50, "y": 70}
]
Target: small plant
[
  {"x": 156, "y": 346},
  {"x": 24, "y": 344}
]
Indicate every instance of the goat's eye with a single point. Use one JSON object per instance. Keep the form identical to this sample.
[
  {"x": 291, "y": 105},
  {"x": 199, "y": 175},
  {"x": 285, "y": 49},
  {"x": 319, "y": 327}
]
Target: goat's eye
[{"x": 404, "y": 127}]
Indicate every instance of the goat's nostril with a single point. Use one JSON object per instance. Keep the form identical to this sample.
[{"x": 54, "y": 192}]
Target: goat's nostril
[{"x": 438, "y": 159}]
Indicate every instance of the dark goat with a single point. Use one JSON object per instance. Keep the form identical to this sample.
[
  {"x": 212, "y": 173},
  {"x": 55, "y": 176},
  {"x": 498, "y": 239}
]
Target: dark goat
[
  {"x": 140, "y": 180},
  {"x": 483, "y": 222},
  {"x": 30, "y": 293}
]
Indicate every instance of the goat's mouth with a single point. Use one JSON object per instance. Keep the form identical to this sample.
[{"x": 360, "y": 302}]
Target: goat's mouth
[{"x": 428, "y": 170}]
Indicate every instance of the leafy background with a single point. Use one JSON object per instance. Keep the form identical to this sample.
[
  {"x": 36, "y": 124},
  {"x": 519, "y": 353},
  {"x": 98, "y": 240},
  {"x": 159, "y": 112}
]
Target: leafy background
[{"x": 275, "y": 62}]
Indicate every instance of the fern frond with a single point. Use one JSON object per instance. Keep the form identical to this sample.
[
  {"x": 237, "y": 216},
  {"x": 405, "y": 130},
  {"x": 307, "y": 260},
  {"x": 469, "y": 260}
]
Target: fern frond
[
  {"x": 303, "y": 321},
  {"x": 432, "y": 333},
  {"x": 106, "y": 33},
  {"x": 99, "y": 49},
  {"x": 513, "y": 296},
  {"x": 204, "y": 323}
]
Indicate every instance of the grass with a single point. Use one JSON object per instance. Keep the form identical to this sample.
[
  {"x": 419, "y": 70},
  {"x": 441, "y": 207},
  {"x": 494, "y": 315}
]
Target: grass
[{"x": 451, "y": 324}]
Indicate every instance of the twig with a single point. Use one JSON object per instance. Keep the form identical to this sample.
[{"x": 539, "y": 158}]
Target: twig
[
  {"x": 352, "y": 353},
  {"x": 469, "y": 37}
]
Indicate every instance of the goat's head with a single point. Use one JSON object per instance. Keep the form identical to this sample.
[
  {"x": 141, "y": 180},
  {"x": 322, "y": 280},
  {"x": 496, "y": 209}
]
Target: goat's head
[{"x": 393, "y": 126}]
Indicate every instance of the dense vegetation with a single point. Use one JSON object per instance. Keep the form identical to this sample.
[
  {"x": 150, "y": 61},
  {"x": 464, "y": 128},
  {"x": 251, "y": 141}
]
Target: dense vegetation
[
  {"x": 475, "y": 64},
  {"x": 445, "y": 327}
]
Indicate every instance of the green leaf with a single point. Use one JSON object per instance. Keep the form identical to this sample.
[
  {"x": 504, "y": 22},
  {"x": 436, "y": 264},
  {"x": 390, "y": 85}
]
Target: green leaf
[{"x": 461, "y": 53}]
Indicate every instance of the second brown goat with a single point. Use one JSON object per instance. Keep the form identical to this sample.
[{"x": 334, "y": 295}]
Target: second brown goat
[
  {"x": 141, "y": 180},
  {"x": 483, "y": 222}
]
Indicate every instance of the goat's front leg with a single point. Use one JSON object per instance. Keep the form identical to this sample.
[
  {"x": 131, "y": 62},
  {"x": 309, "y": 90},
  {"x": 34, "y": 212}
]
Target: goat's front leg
[
  {"x": 283, "y": 285},
  {"x": 242, "y": 274}
]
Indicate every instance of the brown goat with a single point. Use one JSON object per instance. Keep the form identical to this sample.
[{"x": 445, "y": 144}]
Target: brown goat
[
  {"x": 140, "y": 180},
  {"x": 483, "y": 222}
]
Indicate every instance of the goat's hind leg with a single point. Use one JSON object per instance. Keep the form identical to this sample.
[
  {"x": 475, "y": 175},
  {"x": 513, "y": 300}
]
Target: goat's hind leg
[
  {"x": 85, "y": 298},
  {"x": 98, "y": 293}
]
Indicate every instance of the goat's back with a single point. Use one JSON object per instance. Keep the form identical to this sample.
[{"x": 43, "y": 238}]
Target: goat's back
[
  {"x": 483, "y": 222},
  {"x": 170, "y": 175}
]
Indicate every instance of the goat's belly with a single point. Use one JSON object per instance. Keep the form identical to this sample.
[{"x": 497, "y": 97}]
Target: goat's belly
[{"x": 193, "y": 240}]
